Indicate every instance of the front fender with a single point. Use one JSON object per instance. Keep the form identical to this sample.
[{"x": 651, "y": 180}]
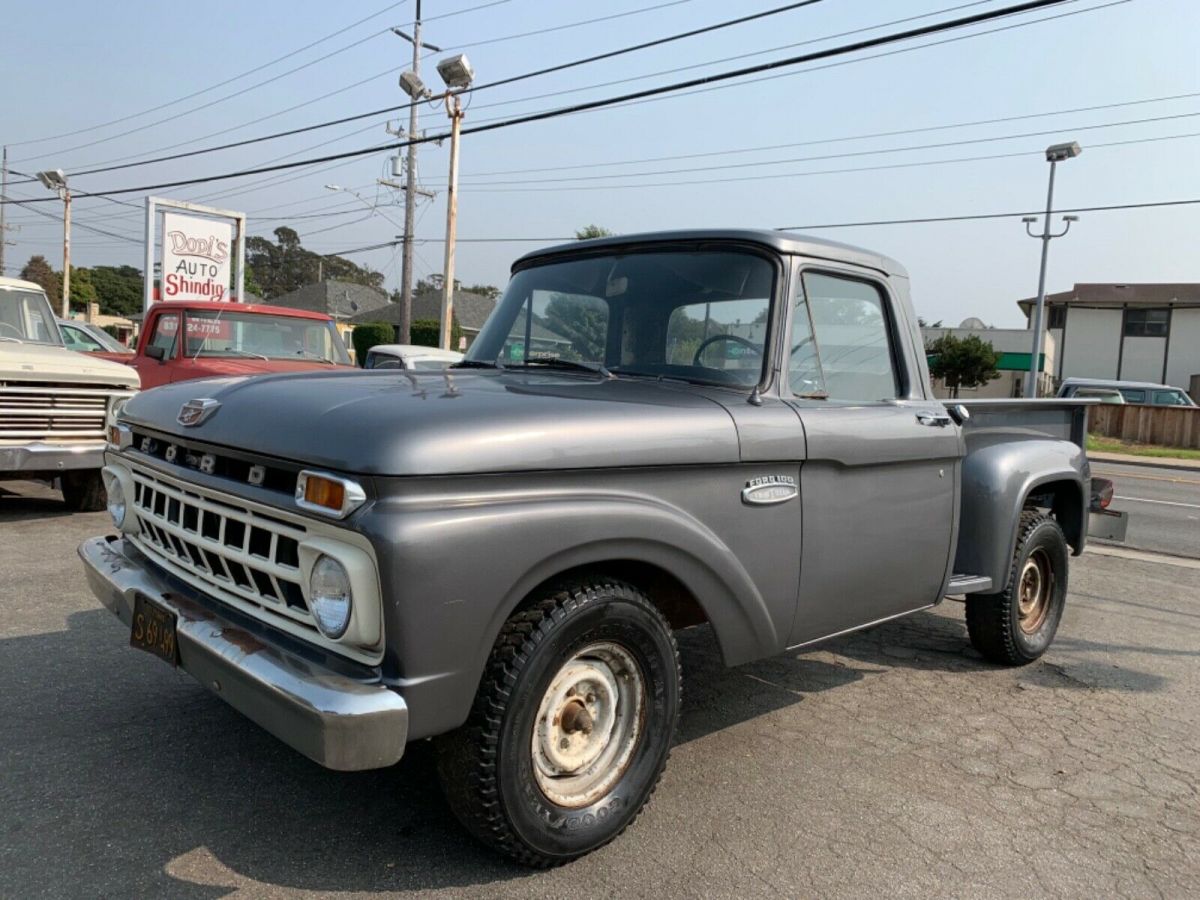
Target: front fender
[
  {"x": 996, "y": 481},
  {"x": 454, "y": 570}
]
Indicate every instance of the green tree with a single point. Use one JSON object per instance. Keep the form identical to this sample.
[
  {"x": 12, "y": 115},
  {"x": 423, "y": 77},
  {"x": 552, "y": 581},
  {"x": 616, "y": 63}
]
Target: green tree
[
  {"x": 118, "y": 289},
  {"x": 369, "y": 334},
  {"x": 425, "y": 332},
  {"x": 962, "y": 362},
  {"x": 484, "y": 290},
  {"x": 284, "y": 266},
  {"x": 587, "y": 232},
  {"x": 82, "y": 290},
  {"x": 39, "y": 271},
  {"x": 583, "y": 320}
]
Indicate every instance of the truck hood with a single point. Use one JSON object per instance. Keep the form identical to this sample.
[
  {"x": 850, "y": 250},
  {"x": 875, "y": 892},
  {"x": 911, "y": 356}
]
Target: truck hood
[
  {"x": 225, "y": 367},
  {"x": 456, "y": 422},
  {"x": 41, "y": 362}
]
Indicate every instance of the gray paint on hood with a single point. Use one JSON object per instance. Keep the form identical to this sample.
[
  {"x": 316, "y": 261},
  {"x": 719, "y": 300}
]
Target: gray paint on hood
[{"x": 456, "y": 422}]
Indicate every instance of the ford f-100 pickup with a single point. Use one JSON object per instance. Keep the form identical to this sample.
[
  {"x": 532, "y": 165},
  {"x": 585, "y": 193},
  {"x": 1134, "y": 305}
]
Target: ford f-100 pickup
[{"x": 649, "y": 433}]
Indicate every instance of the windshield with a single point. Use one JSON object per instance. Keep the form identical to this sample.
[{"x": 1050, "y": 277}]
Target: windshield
[
  {"x": 25, "y": 316},
  {"x": 700, "y": 317},
  {"x": 219, "y": 333}
]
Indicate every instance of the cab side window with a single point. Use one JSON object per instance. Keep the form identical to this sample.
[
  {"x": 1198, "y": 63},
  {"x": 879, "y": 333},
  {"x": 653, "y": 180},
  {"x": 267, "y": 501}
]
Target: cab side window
[
  {"x": 166, "y": 332},
  {"x": 841, "y": 340}
]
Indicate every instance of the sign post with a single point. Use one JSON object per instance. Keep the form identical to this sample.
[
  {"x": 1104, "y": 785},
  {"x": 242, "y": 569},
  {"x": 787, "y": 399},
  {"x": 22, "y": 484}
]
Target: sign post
[{"x": 197, "y": 253}]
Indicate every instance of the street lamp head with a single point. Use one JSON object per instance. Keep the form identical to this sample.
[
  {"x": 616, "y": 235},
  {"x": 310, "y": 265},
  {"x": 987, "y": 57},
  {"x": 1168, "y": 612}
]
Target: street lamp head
[
  {"x": 333, "y": 187},
  {"x": 412, "y": 85},
  {"x": 1061, "y": 152},
  {"x": 1029, "y": 220},
  {"x": 456, "y": 72},
  {"x": 54, "y": 179},
  {"x": 1070, "y": 218}
]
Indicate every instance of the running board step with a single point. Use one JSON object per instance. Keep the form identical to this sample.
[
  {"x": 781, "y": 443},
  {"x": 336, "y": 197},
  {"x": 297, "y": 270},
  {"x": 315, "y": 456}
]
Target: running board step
[{"x": 968, "y": 584}]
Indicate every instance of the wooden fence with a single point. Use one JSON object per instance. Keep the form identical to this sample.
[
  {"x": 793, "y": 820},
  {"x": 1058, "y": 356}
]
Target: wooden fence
[{"x": 1172, "y": 426}]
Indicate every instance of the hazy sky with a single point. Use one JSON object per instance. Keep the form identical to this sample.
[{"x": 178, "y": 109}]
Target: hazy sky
[{"x": 71, "y": 68}]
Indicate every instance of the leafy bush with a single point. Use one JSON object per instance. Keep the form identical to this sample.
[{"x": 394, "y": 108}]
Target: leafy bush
[
  {"x": 424, "y": 333},
  {"x": 369, "y": 334}
]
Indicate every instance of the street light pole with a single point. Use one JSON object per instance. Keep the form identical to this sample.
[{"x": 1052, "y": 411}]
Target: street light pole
[
  {"x": 55, "y": 180},
  {"x": 1054, "y": 155},
  {"x": 454, "y": 110}
]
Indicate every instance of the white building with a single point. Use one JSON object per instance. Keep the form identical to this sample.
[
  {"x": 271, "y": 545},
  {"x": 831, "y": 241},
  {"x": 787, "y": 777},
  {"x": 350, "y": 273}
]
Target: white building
[
  {"x": 1016, "y": 348},
  {"x": 1134, "y": 332}
]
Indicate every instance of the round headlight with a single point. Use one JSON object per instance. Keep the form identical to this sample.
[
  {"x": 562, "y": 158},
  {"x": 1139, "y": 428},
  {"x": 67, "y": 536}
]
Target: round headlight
[
  {"x": 329, "y": 590},
  {"x": 116, "y": 497}
]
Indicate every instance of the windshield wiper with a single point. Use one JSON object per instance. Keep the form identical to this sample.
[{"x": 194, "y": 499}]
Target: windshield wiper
[
  {"x": 243, "y": 352},
  {"x": 555, "y": 363},
  {"x": 475, "y": 364},
  {"x": 305, "y": 352}
]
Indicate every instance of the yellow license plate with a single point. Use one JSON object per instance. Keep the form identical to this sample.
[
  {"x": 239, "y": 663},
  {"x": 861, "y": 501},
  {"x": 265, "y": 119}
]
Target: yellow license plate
[{"x": 153, "y": 629}]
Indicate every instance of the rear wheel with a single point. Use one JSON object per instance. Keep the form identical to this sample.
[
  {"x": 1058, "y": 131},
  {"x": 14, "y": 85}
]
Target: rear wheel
[
  {"x": 1016, "y": 626},
  {"x": 571, "y": 727},
  {"x": 83, "y": 490}
]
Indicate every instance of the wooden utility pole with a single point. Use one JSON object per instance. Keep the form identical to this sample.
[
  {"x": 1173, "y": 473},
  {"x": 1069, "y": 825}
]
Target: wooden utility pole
[
  {"x": 455, "y": 111},
  {"x": 3, "y": 207},
  {"x": 410, "y": 195},
  {"x": 66, "y": 279}
]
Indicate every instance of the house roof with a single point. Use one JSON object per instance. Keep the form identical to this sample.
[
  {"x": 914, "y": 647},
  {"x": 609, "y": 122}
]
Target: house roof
[
  {"x": 470, "y": 309},
  {"x": 340, "y": 299},
  {"x": 1117, "y": 295}
]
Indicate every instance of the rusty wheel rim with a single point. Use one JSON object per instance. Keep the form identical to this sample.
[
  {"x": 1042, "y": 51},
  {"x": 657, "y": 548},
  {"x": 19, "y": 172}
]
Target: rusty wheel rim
[
  {"x": 1033, "y": 592},
  {"x": 588, "y": 725}
]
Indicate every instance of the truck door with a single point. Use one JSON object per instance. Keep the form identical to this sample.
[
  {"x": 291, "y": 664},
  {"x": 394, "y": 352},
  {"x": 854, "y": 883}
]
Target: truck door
[
  {"x": 163, "y": 335},
  {"x": 878, "y": 482}
]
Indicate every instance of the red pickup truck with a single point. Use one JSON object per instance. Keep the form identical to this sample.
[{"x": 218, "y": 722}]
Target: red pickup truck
[{"x": 223, "y": 339}]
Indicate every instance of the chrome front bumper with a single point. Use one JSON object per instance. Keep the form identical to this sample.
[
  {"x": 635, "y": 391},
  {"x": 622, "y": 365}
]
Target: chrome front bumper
[
  {"x": 334, "y": 720},
  {"x": 38, "y": 456}
]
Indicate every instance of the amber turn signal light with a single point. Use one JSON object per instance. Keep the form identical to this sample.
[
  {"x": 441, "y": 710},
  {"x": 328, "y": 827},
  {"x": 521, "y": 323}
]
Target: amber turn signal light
[
  {"x": 325, "y": 492},
  {"x": 329, "y": 495}
]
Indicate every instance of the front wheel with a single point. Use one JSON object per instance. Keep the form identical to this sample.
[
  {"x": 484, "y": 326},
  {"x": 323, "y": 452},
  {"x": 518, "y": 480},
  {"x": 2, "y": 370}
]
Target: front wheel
[
  {"x": 571, "y": 727},
  {"x": 1016, "y": 626}
]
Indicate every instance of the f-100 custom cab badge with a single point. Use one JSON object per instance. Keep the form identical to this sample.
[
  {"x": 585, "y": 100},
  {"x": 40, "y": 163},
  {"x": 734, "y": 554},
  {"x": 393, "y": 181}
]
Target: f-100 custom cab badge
[
  {"x": 196, "y": 411},
  {"x": 769, "y": 489}
]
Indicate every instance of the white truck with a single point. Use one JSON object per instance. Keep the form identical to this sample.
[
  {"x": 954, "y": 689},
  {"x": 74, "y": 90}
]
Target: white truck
[{"x": 54, "y": 403}]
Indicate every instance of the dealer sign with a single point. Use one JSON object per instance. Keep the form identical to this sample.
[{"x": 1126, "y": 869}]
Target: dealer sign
[{"x": 195, "y": 258}]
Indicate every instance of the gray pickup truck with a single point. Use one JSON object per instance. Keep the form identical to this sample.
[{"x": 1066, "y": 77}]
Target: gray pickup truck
[{"x": 650, "y": 432}]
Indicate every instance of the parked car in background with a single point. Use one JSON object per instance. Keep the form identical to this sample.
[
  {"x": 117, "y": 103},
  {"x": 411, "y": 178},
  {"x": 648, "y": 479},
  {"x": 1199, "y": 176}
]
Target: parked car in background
[
  {"x": 1133, "y": 391},
  {"x": 1104, "y": 395},
  {"x": 409, "y": 356},
  {"x": 650, "y": 432},
  {"x": 54, "y": 403},
  {"x": 182, "y": 340},
  {"x": 87, "y": 338}
]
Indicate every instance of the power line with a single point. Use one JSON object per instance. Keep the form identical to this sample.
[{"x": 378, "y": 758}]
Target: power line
[
  {"x": 952, "y": 24},
  {"x": 219, "y": 84},
  {"x": 834, "y": 140},
  {"x": 980, "y": 216},
  {"x": 780, "y": 175},
  {"x": 814, "y": 226},
  {"x": 505, "y": 81}
]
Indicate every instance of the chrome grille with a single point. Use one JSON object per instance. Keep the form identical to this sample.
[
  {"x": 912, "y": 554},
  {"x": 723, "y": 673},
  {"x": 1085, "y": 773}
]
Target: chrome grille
[
  {"x": 54, "y": 413},
  {"x": 232, "y": 552}
]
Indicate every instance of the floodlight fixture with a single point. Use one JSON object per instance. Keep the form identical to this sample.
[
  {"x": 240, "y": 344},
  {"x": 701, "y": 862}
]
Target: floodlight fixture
[
  {"x": 53, "y": 179},
  {"x": 1062, "y": 152},
  {"x": 456, "y": 72},
  {"x": 411, "y": 84}
]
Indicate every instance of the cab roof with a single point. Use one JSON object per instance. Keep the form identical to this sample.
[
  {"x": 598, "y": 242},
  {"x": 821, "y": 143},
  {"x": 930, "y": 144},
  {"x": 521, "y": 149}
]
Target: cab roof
[
  {"x": 260, "y": 309},
  {"x": 19, "y": 284},
  {"x": 779, "y": 241}
]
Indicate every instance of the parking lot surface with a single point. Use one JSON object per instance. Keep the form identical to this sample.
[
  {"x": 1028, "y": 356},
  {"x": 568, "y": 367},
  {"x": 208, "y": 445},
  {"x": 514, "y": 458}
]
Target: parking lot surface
[{"x": 893, "y": 762}]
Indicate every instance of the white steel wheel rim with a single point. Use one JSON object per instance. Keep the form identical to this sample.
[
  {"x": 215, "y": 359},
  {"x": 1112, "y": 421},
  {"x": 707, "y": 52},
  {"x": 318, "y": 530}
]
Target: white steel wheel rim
[{"x": 588, "y": 725}]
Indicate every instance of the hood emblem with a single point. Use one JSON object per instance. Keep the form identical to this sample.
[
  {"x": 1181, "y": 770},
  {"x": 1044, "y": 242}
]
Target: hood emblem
[
  {"x": 769, "y": 489},
  {"x": 196, "y": 411}
]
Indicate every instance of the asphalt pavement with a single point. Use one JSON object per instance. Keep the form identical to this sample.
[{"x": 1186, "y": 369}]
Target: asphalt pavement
[
  {"x": 893, "y": 762},
  {"x": 1163, "y": 506}
]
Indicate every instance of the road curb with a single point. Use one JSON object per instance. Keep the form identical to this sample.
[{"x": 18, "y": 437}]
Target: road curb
[{"x": 1152, "y": 462}]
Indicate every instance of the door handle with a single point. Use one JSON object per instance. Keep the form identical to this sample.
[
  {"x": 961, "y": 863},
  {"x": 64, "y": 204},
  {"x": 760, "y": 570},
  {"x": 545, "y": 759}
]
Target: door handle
[{"x": 935, "y": 420}]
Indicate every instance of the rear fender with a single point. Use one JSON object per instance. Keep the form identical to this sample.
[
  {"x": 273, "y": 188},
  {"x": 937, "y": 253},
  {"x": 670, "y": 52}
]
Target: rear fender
[{"x": 997, "y": 481}]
